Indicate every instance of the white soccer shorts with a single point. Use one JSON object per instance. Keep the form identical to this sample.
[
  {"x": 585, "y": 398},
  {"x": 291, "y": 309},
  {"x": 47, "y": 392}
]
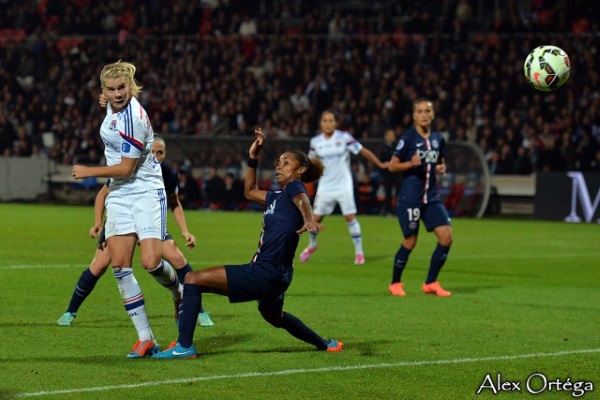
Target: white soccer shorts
[
  {"x": 325, "y": 201},
  {"x": 144, "y": 214}
]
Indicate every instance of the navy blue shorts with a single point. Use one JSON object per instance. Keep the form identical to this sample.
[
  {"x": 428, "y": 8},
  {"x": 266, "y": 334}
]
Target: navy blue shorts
[
  {"x": 101, "y": 239},
  {"x": 264, "y": 282},
  {"x": 433, "y": 214}
]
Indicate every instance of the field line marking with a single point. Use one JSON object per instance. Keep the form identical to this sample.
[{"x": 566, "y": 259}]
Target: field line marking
[
  {"x": 304, "y": 371},
  {"x": 221, "y": 262},
  {"x": 38, "y": 266}
]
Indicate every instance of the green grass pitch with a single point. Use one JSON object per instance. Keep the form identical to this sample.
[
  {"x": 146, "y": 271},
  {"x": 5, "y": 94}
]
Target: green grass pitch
[{"x": 525, "y": 303}]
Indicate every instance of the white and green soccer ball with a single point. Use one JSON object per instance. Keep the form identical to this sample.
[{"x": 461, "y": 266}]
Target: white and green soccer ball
[{"x": 547, "y": 68}]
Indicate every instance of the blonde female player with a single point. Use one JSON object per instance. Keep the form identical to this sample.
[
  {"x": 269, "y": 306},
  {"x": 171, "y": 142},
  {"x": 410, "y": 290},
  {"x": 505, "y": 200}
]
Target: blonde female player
[{"x": 136, "y": 202}]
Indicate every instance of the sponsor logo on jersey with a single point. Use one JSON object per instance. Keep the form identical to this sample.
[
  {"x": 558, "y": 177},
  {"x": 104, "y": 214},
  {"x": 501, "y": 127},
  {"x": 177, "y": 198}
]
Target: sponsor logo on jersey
[
  {"x": 428, "y": 156},
  {"x": 125, "y": 147}
]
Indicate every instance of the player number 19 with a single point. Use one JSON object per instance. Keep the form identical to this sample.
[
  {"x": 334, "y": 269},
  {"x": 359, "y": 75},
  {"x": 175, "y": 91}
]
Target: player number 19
[{"x": 414, "y": 214}]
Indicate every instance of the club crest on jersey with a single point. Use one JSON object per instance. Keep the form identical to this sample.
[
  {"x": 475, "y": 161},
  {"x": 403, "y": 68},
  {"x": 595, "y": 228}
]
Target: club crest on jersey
[
  {"x": 435, "y": 144},
  {"x": 125, "y": 147},
  {"x": 113, "y": 125}
]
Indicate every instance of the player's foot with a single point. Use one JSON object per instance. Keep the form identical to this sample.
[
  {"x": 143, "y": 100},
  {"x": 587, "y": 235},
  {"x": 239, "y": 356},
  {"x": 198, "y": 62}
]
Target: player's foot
[
  {"x": 305, "y": 255},
  {"x": 204, "y": 319},
  {"x": 143, "y": 348},
  {"x": 334, "y": 345},
  {"x": 66, "y": 319},
  {"x": 175, "y": 350},
  {"x": 397, "y": 289},
  {"x": 359, "y": 259},
  {"x": 435, "y": 288}
]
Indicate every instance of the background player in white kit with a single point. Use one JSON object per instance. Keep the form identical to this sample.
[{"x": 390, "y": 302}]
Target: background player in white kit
[
  {"x": 136, "y": 202},
  {"x": 333, "y": 147}
]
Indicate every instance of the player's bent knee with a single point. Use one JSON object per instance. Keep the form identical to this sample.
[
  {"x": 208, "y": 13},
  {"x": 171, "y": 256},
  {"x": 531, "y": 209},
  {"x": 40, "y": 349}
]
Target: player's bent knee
[{"x": 275, "y": 319}]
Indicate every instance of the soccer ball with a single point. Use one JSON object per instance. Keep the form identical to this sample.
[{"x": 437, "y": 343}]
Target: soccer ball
[{"x": 547, "y": 68}]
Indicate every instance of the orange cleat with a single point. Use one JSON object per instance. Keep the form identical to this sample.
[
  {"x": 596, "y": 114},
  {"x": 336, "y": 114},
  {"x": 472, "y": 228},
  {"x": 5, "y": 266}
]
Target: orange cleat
[
  {"x": 397, "y": 289},
  {"x": 143, "y": 348},
  {"x": 435, "y": 288},
  {"x": 334, "y": 346}
]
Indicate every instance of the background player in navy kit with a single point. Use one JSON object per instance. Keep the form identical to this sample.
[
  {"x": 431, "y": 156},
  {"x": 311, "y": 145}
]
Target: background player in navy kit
[
  {"x": 171, "y": 254},
  {"x": 420, "y": 154},
  {"x": 269, "y": 273}
]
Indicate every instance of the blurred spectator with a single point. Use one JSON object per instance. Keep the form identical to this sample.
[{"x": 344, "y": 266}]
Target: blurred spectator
[
  {"x": 522, "y": 165},
  {"x": 214, "y": 189},
  {"x": 190, "y": 195},
  {"x": 551, "y": 158},
  {"x": 367, "y": 196},
  {"x": 391, "y": 180},
  {"x": 233, "y": 194}
]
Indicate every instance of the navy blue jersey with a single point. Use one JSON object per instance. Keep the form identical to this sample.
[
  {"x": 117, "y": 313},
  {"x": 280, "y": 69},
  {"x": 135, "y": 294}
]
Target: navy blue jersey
[
  {"x": 419, "y": 185},
  {"x": 171, "y": 179},
  {"x": 281, "y": 220}
]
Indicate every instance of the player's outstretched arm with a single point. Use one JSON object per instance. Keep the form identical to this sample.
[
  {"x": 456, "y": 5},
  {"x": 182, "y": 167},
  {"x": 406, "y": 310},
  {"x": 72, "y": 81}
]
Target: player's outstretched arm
[
  {"x": 310, "y": 225},
  {"x": 99, "y": 212},
  {"x": 177, "y": 209},
  {"x": 369, "y": 155},
  {"x": 251, "y": 190}
]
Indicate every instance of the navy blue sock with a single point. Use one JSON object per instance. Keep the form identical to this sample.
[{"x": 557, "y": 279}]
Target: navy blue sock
[
  {"x": 188, "y": 313},
  {"x": 438, "y": 258},
  {"x": 399, "y": 263},
  {"x": 84, "y": 287},
  {"x": 300, "y": 331},
  {"x": 181, "y": 273}
]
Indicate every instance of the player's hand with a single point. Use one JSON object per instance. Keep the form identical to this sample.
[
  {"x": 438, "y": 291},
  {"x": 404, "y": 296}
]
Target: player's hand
[
  {"x": 95, "y": 231},
  {"x": 80, "y": 172},
  {"x": 441, "y": 169},
  {"x": 415, "y": 160},
  {"x": 312, "y": 227},
  {"x": 190, "y": 240},
  {"x": 384, "y": 165},
  {"x": 257, "y": 144},
  {"x": 102, "y": 100}
]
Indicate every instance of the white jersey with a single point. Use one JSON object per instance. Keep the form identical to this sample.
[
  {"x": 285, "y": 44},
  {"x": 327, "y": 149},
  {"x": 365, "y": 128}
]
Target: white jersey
[
  {"x": 128, "y": 133},
  {"x": 335, "y": 154}
]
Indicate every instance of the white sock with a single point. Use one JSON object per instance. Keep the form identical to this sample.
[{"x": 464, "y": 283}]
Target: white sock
[
  {"x": 165, "y": 275},
  {"x": 312, "y": 240},
  {"x": 355, "y": 233},
  {"x": 133, "y": 301}
]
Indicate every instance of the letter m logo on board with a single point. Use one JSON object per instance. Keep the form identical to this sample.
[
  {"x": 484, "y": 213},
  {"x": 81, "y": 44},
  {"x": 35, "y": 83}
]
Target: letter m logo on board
[{"x": 581, "y": 195}]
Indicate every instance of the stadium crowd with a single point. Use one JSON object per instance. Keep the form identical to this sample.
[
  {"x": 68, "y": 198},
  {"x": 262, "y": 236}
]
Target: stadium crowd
[{"x": 224, "y": 67}]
